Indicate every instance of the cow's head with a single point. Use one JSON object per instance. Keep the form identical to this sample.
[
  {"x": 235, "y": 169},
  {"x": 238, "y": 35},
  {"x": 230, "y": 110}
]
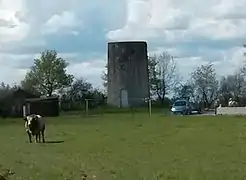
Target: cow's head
[{"x": 31, "y": 122}]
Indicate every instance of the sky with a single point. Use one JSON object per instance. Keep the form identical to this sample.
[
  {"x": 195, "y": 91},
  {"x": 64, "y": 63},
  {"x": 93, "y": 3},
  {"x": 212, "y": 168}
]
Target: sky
[{"x": 195, "y": 32}]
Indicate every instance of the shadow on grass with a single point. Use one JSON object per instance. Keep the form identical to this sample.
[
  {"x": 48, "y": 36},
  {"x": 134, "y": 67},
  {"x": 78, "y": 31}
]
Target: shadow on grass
[{"x": 54, "y": 142}]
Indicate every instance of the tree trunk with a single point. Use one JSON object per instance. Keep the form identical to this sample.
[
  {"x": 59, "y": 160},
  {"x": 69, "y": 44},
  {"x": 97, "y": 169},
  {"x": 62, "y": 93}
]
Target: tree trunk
[{"x": 50, "y": 93}]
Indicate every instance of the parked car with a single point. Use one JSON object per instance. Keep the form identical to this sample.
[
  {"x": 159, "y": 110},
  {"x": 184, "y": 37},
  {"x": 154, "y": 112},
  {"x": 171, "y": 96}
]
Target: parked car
[
  {"x": 195, "y": 109},
  {"x": 181, "y": 107}
]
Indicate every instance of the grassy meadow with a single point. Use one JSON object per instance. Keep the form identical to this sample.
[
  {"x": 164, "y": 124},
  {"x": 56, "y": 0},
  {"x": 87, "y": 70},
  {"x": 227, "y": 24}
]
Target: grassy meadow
[{"x": 127, "y": 147}]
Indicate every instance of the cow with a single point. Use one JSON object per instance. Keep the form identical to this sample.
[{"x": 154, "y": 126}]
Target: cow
[
  {"x": 35, "y": 126},
  {"x": 232, "y": 103}
]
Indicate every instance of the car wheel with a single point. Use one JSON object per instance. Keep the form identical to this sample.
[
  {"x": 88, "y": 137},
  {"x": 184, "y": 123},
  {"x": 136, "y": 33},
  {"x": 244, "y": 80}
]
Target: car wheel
[{"x": 186, "y": 112}]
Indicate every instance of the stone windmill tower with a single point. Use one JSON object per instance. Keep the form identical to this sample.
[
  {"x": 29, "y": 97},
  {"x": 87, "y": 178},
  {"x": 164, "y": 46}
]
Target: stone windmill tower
[{"x": 128, "y": 78}]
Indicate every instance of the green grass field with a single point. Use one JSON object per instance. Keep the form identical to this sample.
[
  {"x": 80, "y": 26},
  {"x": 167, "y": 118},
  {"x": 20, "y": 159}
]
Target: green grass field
[{"x": 125, "y": 148}]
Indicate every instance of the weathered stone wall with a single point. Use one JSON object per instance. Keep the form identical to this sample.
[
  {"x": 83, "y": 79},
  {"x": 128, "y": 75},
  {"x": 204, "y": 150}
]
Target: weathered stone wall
[
  {"x": 231, "y": 111},
  {"x": 127, "y": 69}
]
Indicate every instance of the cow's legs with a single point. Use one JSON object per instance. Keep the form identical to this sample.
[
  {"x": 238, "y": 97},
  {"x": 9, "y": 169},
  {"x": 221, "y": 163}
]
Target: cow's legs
[
  {"x": 39, "y": 138},
  {"x": 30, "y": 137},
  {"x": 42, "y": 133},
  {"x": 36, "y": 138}
]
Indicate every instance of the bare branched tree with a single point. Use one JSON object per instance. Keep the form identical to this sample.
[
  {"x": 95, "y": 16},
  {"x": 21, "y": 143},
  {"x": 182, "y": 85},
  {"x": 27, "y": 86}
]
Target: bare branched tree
[
  {"x": 104, "y": 77},
  {"x": 206, "y": 84},
  {"x": 165, "y": 76},
  {"x": 232, "y": 86}
]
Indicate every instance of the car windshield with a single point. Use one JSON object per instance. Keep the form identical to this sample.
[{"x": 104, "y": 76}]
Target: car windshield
[{"x": 180, "y": 103}]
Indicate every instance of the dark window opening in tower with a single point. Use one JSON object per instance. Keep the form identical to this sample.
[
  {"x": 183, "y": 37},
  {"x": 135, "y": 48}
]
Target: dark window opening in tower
[{"x": 122, "y": 67}]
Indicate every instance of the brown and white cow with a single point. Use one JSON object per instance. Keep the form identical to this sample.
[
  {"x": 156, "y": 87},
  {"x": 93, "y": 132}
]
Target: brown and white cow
[{"x": 35, "y": 126}]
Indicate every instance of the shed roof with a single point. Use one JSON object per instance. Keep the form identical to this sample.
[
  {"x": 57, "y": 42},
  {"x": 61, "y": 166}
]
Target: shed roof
[{"x": 42, "y": 99}]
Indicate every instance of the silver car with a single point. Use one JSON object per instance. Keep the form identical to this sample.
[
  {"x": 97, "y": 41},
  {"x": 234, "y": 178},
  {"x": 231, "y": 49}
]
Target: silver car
[{"x": 181, "y": 107}]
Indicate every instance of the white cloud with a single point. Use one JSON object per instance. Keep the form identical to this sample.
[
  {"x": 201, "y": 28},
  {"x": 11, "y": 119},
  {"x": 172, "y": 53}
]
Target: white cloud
[
  {"x": 231, "y": 60},
  {"x": 14, "y": 67},
  {"x": 187, "y": 21},
  {"x": 177, "y": 20},
  {"x": 66, "y": 22},
  {"x": 91, "y": 70},
  {"x": 218, "y": 29},
  {"x": 13, "y": 73},
  {"x": 227, "y": 9},
  {"x": 167, "y": 25},
  {"x": 12, "y": 28},
  {"x": 150, "y": 18},
  {"x": 228, "y": 61}
]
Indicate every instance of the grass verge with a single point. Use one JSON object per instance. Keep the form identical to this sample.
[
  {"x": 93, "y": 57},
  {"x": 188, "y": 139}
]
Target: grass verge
[{"x": 127, "y": 147}]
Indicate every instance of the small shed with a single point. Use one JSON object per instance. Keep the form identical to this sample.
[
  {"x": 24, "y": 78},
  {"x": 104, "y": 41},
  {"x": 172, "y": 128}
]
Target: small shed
[
  {"x": 11, "y": 104},
  {"x": 48, "y": 106}
]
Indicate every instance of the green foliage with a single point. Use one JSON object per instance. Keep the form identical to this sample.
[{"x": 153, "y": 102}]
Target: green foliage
[
  {"x": 6, "y": 98},
  {"x": 47, "y": 74},
  {"x": 80, "y": 90},
  {"x": 5, "y": 89},
  {"x": 153, "y": 74},
  {"x": 29, "y": 84}
]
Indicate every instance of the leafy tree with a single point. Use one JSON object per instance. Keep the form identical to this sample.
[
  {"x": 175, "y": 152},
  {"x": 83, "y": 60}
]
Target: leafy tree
[
  {"x": 79, "y": 90},
  {"x": 47, "y": 74},
  {"x": 29, "y": 85},
  {"x": 6, "y": 90},
  {"x": 153, "y": 74},
  {"x": 6, "y": 98}
]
